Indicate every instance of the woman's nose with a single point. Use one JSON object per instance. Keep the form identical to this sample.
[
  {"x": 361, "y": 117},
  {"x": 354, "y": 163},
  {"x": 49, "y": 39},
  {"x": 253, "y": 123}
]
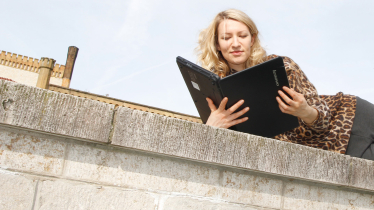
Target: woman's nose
[{"x": 235, "y": 42}]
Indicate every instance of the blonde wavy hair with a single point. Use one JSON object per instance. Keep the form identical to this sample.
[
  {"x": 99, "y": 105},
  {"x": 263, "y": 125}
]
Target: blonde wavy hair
[{"x": 209, "y": 56}]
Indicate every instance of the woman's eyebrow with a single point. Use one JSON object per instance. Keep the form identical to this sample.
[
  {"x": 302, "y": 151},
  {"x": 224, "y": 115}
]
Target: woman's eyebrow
[
  {"x": 224, "y": 34},
  {"x": 243, "y": 31}
]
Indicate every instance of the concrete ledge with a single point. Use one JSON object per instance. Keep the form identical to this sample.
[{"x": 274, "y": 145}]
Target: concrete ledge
[
  {"x": 57, "y": 113},
  {"x": 159, "y": 134},
  {"x": 52, "y": 112}
]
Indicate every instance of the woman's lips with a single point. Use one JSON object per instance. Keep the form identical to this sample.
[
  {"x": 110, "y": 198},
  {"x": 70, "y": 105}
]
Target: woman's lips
[{"x": 236, "y": 52}]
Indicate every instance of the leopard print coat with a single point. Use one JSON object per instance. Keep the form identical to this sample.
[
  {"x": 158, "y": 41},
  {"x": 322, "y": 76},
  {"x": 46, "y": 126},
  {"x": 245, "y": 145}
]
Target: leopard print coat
[{"x": 332, "y": 129}]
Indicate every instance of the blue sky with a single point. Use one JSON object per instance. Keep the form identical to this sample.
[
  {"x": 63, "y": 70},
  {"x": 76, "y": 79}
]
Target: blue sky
[{"x": 127, "y": 49}]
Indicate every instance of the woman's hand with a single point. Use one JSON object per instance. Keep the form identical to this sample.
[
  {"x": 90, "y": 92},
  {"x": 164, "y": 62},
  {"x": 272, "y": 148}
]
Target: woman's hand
[
  {"x": 297, "y": 106},
  {"x": 222, "y": 118}
]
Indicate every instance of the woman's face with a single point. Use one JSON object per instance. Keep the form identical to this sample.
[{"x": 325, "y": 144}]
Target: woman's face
[{"x": 234, "y": 42}]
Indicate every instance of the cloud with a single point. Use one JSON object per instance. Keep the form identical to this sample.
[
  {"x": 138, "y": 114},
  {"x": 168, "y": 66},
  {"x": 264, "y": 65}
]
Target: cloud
[
  {"x": 130, "y": 33},
  {"x": 99, "y": 88},
  {"x": 109, "y": 73},
  {"x": 133, "y": 33}
]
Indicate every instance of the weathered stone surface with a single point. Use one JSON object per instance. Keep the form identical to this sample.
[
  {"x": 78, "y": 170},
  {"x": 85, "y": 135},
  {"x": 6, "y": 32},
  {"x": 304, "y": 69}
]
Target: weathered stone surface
[
  {"x": 251, "y": 189},
  {"x": 70, "y": 195},
  {"x": 187, "y": 203},
  {"x": 304, "y": 162},
  {"x": 17, "y": 192},
  {"x": 159, "y": 177},
  {"x": 58, "y": 113},
  {"x": 362, "y": 174},
  {"x": 30, "y": 153},
  {"x": 139, "y": 171},
  {"x": 353, "y": 201},
  {"x": 150, "y": 132},
  {"x": 301, "y": 196}
]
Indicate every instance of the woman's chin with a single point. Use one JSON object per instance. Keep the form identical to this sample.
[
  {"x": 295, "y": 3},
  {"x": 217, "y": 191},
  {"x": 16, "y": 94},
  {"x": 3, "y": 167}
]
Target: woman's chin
[{"x": 238, "y": 62}]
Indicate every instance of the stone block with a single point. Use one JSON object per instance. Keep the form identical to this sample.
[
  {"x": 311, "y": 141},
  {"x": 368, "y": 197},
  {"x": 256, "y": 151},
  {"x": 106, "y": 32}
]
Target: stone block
[
  {"x": 53, "y": 112},
  {"x": 353, "y": 201},
  {"x": 188, "y": 203},
  {"x": 293, "y": 160},
  {"x": 72, "y": 195},
  {"x": 152, "y": 132},
  {"x": 362, "y": 173},
  {"x": 140, "y": 171},
  {"x": 251, "y": 189},
  {"x": 302, "y": 196},
  {"x": 17, "y": 191},
  {"x": 137, "y": 129},
  {"x": 30, "y": 153}
]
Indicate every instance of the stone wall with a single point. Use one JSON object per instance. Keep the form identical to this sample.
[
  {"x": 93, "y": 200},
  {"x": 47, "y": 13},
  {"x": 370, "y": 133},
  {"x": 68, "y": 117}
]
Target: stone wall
[
  {"x": 25, "y": 70},
  {"x": 59, "y": 151},
  {"x": 19, "y": 75},
  {"x": 118, "y": 102}
]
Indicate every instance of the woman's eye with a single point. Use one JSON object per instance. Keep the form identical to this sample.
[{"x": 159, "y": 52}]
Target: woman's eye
[
  {"x": 243, "y": 36},
  {"x": 226, "y": 38}
]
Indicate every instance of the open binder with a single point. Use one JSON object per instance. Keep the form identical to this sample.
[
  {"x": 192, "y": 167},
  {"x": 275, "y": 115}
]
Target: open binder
[{"x": 257, "y": 85}]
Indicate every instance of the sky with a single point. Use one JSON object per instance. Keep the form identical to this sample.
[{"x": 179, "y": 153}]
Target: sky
[{"x": 127, "y": 48}]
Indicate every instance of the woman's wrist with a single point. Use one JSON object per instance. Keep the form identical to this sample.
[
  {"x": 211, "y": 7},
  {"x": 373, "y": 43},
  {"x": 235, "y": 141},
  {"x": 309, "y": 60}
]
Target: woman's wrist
[{"x": 311, "y": 117}]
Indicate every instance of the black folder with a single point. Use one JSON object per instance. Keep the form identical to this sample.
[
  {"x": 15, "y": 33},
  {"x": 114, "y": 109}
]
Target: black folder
[{"x": 257, "y": 85}]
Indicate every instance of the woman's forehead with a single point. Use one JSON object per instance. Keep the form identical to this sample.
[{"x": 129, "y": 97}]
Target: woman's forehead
[{"x": 232, "y": 26}]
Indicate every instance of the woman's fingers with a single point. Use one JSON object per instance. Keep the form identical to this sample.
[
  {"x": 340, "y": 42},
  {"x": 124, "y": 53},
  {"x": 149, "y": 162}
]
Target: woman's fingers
[
  {"x": 211, "y": 105},
  {"x": 282, "y": 110},
  {"x": 290, "y": 91},
  {"x": 285, "y": 97},
  {"x": 294, "y": 95},
  {"x": 222, "y": 106},
  {"x": 235, "y": 122},
  {"x": 222, "y": 118},
  {"x": 235, "y": 106},
  {"x": 240, "y": 113},
  {"x": 283, "y": 107}
]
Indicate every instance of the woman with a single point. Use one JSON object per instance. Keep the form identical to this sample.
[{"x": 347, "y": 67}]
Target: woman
[{"x": 231, "y": 44}]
